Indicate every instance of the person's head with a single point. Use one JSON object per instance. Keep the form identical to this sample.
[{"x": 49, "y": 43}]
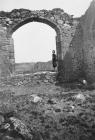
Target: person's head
[{"x": 53, "y": 51}]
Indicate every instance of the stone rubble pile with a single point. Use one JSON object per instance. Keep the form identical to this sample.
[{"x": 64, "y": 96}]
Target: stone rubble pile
[
  {"x": 30, "y": 79},
  {"x": 14, "y": 129}
]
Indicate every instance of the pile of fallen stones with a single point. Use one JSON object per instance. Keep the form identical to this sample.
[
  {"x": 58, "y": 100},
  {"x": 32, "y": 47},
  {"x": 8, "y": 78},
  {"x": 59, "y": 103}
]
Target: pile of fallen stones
[
  {"x": 30, "y": 79},
  {"x": 12, "y": 128},
  {"x": 69, "y": 117}
]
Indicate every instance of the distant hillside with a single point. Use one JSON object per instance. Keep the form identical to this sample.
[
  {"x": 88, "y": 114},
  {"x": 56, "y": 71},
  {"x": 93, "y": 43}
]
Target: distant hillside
[{"x": 33, "y": 67}]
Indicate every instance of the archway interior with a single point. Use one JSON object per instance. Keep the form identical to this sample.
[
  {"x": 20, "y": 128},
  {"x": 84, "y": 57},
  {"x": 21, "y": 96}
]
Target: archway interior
[{"x": 34, "y": 42}]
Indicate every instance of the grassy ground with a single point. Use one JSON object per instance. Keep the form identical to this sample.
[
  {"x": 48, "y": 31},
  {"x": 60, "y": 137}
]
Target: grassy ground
[{"x": 61, "y": 114}]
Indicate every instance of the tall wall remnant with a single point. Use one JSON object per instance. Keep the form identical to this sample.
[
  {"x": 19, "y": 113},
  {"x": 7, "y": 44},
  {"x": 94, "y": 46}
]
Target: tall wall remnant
[
  {"x": 74, "y": 41},
  {"x": 88, "y": 27}
]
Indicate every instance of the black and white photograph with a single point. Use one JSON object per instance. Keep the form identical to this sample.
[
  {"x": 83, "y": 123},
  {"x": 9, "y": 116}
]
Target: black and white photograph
[{"x": 47, "y": 69}]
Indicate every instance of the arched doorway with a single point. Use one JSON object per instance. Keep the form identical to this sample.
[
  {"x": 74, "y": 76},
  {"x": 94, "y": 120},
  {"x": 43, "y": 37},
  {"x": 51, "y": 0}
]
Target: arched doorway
[
  {"x": 40, "y": 20},
  {"x": 66, "y": 46},
  {"x": 33, "y": 43}
]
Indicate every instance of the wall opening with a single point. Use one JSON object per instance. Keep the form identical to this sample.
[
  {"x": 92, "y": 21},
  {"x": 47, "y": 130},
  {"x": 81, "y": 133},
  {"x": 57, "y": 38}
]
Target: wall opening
[{"x": 33, "y": 43}]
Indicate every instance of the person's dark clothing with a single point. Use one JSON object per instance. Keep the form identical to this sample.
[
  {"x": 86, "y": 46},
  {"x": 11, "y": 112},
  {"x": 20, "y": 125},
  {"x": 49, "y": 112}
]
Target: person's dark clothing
[{"x": 54, "y": 60}]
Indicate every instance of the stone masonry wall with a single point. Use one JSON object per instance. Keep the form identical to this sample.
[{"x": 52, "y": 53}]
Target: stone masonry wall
[
  {"x": 88, "y": 27},
  {"x": 69, "y": 36},
  {"x": 6, "y": 48}
]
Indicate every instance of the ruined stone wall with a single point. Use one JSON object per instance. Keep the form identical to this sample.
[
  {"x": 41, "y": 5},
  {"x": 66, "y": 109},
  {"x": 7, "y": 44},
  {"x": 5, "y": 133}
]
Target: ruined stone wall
[
  {"x": 68, "y": 39},
  {"x": 73, "y": 57},
  {"x": 6, "y": 50},
  {"x": 88, "y": 26}
]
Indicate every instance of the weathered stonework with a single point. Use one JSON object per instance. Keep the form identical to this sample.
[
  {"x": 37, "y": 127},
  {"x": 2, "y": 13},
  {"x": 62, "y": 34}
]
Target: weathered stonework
[
  {"x": 71, "y": 45},
  {"x": 88, "y": 27},
  {"x": 61, "y": 22}
]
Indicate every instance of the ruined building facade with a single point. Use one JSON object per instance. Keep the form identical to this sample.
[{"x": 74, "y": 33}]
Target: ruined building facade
[{"x": 75, "y": 41}]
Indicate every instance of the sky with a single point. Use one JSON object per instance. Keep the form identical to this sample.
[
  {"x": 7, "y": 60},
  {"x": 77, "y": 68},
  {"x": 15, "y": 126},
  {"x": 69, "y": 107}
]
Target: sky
[
  {"x": 34, "y": 42},
  {"x": 73, "y": 7},
  {"x": 38, "y": 39}
]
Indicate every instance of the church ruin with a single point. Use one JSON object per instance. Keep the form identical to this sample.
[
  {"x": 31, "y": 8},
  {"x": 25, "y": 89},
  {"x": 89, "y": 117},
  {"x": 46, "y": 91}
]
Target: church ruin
[{"x": 75, "y": 41}]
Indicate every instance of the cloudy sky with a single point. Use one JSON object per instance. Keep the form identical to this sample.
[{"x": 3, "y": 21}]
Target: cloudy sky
[{"x": 35, "y": 41}]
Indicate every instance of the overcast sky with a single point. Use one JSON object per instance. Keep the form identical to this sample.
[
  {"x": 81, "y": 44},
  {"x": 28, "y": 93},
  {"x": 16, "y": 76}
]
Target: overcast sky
[
  {"x": 37, "y": 40},
  {"x": 75, "y": 7}
]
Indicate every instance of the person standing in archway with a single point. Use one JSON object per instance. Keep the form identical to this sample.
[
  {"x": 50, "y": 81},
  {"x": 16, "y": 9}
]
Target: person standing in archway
[{"x": 54, "y": 59}]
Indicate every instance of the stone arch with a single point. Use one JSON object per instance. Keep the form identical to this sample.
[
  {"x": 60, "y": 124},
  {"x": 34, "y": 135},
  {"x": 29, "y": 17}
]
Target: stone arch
[
  {"x": 35, "y": 32},
  {"x": 35, "y": 19},
  {"x": 41, "y": 20},
  {"x": 65, "y": 28}
]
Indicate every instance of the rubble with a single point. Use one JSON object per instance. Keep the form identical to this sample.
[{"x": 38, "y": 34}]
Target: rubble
[
  {"x": 35, "y": 106},
  {"x": 28, "y": 80},
  {"x": 34, "y": 98},
  {"x": 80, "y": 96},
  {"x": 49, "y": 112},
  {"x": 12, "y": 127}
]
